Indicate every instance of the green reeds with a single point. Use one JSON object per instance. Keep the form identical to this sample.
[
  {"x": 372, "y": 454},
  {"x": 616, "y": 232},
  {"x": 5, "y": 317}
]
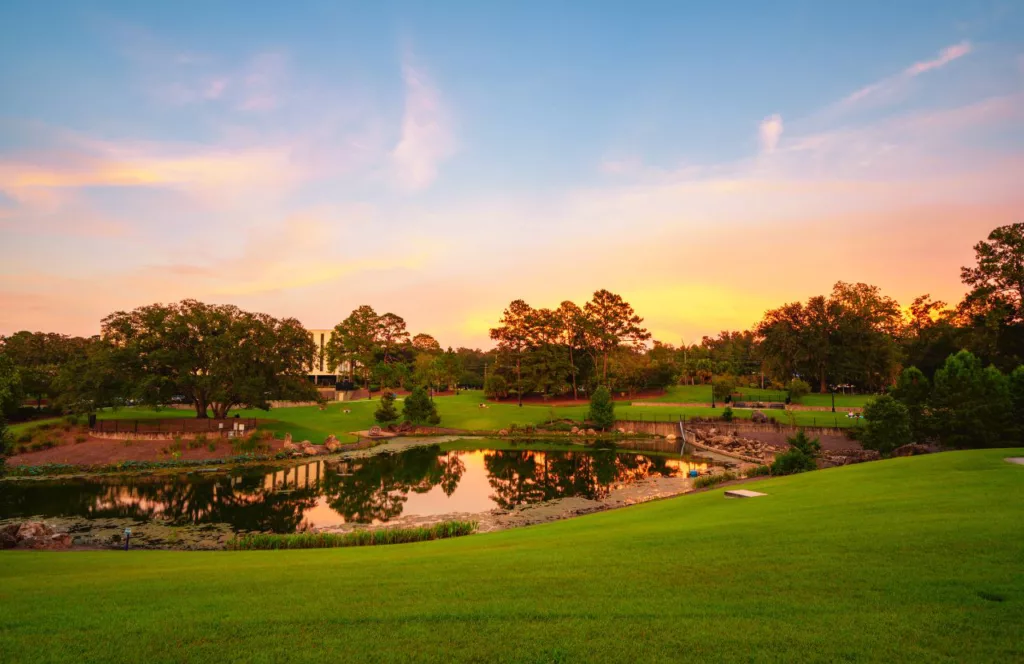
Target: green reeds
[{"x": 263, "y": 541}]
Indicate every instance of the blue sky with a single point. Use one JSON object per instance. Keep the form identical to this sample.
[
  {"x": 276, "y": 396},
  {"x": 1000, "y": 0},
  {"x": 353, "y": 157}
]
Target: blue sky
[{"x": 306, "y": 158}]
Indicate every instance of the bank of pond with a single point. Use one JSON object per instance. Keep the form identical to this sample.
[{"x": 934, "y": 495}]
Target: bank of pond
[{"x": 417, "y": 483}]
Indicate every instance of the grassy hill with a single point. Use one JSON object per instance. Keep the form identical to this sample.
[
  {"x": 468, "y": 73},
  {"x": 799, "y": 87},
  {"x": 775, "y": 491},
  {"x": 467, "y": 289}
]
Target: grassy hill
[{"x": 915, "y": 559}]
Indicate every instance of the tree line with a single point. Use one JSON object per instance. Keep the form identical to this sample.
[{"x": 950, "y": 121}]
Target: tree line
[{"x": 219, "y": 357}]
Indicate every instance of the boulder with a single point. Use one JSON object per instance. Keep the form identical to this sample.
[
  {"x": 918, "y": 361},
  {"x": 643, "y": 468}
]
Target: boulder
[
  {"x": 503, "y": 432},
  {"x": 332, "y": 445},
  {"x": 38, "y": 535},
  {"x": 9, "y": 536},
  {"x": 575, "y": 430},
  {"x": 287, "y": 438},
  {"x": 331, "y": 439},
  {"x": 911, "y": 449},
  {"x": 757, "y": 417},
  {"x": 289, "y": 446},
  {"x": 591, "y": 432},
  {"x": 671, "y": 436}
]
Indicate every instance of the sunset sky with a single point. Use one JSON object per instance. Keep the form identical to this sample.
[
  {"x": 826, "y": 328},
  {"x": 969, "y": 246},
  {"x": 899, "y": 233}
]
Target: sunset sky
[{"x": 705, "y": 160}]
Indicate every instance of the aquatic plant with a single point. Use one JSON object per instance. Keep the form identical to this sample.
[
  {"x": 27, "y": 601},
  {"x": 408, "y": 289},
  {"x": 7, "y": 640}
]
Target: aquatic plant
[{"x": 265, "y": 541}]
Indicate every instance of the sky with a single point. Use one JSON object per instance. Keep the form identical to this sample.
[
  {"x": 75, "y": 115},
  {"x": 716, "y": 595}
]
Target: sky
[{"x": 707, "y": 161}]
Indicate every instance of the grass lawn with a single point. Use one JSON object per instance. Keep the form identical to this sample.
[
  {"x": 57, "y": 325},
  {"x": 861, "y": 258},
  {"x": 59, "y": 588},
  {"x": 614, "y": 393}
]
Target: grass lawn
[
  {"x": 702, "y": 394},
  {"x": 914, "y": 559}
]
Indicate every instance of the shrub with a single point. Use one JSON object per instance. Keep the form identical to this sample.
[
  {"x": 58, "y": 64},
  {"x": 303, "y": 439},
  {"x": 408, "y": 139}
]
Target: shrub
[
  {"x": 798, "y": 389},
  {"x": 705, "y": 481},
  {"x": 419, "y": 409},
  {"x": 495, "y": 387},
  {"x": 727, "y": 414},
  {"x": 800, "y": 457},
  {"x": 81, "y": 439},
  {"x": 263, "y": 541},
  {"x": 602, "y": 408},
  {"x": 971, "y": 404},
  {"x": 386, "y": 412},
  {"x": 913, "y": 391},
  {"x": 758, "y": 471},
  {"x": 888, "y": 425},
  {"x": 723, "y": 386},
  {"x": 212, "y": 446}
]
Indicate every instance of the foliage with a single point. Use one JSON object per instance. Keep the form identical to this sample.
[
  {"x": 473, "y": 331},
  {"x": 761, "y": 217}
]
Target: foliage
[
  {"x": 914, "y": 392},
  {"x": 602, "y": 409},
  {"x": 611, "y": 323},
  {"x": 495, "y": 387},
  {"x": 217, "y": 356},
  {"x": 758, "y": 471},
  {"x": 705, "y": 481},
  {"x": 418, "y": 408},
  {"x": 800, "y": 457},
  {"x": 514, "y": 337},
  {"x": 797, "y": 389},
  {"x": 723, "y": 386},
  {"x": 39, "y": 357},
  {"x": 363, "y": 337},
  {"x": 386, "y": 412},
  {"x": 727, "y": 414},
  {"x": 363, "y": 537},
  {"x": 971, "y": 405},
  {"x": 887, "y": 425},
  {"x": 10, "y": 385}
]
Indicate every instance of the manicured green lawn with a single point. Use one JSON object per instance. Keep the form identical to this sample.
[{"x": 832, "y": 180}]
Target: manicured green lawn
[
  {"x": 702, "y": 394},
  {"x": 909, "y": 560}
]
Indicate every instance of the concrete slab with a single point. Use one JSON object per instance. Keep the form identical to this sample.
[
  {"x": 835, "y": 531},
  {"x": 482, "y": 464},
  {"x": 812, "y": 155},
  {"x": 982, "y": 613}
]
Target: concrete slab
[
  {"x": 1019, "y": 460},
  {"x": 743, "y": 493}
]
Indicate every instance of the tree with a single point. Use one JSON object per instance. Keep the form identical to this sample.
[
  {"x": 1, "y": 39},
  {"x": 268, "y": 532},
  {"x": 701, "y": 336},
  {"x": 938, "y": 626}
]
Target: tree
[
  {"x": 419, "y": 408},
  {"x": 914, "y": 392},
  {"x": 573, "y": 336},
  {"x": 514, "y": 336},
  {"x": 386, "y": 412},
  {"x": 723, "y": 387},
  {"x": 216, "y": 355},
  {"x": 602, "y": 409},
  {"x": 971, "y": 404},
  {"x": 425, "y": 343},
  {"x": 93, "y": 379},
  {"x": 611, "y": 322},
  {"x": 800, "y": 457},
  {"x": 1017, "y": 395},
  {"x": 10, "y": 386},
  {"x": 887, "y": 425},
  {"x": 495, "y": 387},
  {"x": 354, "y": 340},
  {"x": 993, "y": 309},
  {"x": 39, "y": 357},
  {"x": 797, "y": 389},
  {"x": 391, "y": 335}
]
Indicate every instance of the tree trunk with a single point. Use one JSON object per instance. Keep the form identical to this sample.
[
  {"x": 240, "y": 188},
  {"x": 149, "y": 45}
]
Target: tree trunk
[
  {"x": 604, "y": 373},
  {"x": 519, "y": 380},
  {"x": 199, "y": 401},
  {"x": 822, "y": 388},
  {"x": 572, "y": 364}
]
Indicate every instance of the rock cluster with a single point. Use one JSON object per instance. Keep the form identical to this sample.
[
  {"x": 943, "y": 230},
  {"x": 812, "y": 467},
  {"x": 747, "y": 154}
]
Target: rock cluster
[
  {"x": 305, "y": 448},
  {"x": 734, "y": 444},
  {"x": 912, "y": 449},
  {"x": 757, "y": 417},
  {"x": 832, "y": 458},
  {"x": 33, "y": 535}
]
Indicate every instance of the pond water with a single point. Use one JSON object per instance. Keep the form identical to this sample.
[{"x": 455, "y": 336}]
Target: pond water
[{"x": 421, "y": 481}]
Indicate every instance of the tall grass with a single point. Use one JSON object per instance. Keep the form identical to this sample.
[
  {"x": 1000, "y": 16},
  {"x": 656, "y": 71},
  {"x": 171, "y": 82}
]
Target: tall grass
[
  {"x": 705, "y": 481},
  {"x": 262, "y": 541}
]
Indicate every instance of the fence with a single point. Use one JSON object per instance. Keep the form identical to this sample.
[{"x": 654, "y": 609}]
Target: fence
[{"x": 183, "y": 425}]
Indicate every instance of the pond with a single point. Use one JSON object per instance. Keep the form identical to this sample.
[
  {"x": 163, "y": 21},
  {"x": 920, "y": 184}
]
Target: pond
[{"x": 421, "y": 481}]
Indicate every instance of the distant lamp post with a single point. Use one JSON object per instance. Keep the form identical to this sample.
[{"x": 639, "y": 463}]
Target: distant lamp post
[
  {"x": 712, "y": 390},
  {"x": 833, "y": 390}
]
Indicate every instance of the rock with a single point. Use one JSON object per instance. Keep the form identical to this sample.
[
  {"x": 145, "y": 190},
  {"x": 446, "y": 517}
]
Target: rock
[
  {"x": 575, "y": 430},
  {"x": 287, "y": 439},
  {"x": 591, "y": 432},
  {"x": 331, "y": 439},
  {"x": 758, "y": 417},
  {"x": 289, "y": 446},
  {"x": 9, "y": 536},
  {"x": 332, "y": 445},
  {"x": 621, "y": 430},
  {"x": 671, "y": 436},
  {"x": 581, "y": 432},
  {"x": 911, "y": 449},
  {"x": 38, "y": 535},
  {"x": 503, "y": 432}
]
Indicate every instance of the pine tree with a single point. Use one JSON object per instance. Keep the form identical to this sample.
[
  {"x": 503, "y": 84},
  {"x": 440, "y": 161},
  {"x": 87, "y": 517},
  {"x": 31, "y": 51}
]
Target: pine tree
[
  {"x": 386, "y": 412},
  {"x": 602, "y": 409},
  {"x": 419, "y": 409}
]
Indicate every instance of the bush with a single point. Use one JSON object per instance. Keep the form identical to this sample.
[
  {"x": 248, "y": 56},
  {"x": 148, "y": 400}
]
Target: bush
[
  {"x": 727, "y": 414},
  {"x": 705, "y": 481},
  {"x": 723, "y": 386},
  {"x": 264, "y": 541},
  {"x": 495, "y": 387},
  {"x": 798, "y": 389},
  {"x": 887, "y": 425},
  {"x": 800, "y": 457},
  {"x": 386, "y": 412},
  {"x": 602, "y": 409},
  {"x": 758, "y": 471},
  {"x": 419, "y": 409}
]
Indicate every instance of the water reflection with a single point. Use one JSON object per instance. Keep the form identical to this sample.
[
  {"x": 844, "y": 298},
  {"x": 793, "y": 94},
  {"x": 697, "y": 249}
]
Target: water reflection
[{"x": 421, "y": 481}]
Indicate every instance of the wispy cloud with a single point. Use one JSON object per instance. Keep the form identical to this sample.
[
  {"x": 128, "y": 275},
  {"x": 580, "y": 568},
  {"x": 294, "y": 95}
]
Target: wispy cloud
[
  {"x": 770, "y": 131},
  {"x": 890, "y": 87},
  {"x": 947, "y": 55},
  {"x": 427, "y": 138}
]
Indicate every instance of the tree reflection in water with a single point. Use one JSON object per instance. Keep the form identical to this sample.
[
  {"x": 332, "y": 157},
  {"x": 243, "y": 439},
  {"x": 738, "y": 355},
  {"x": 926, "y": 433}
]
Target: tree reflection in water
[{"x": 365, "y": 490}]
